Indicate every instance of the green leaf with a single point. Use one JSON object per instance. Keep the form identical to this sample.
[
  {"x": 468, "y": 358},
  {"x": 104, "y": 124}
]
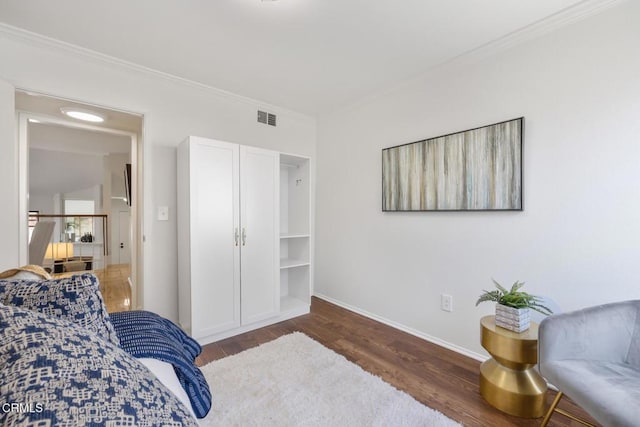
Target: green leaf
[
  {"x": 489, "y": 296},
  {"x": 499, "y": 286},
  {"x": 516, "y": 285},
  {"x": 514, "y": 298}
]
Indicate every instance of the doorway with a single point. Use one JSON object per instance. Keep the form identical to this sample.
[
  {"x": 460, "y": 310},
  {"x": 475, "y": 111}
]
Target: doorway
[{"x": 87, "y": 161}]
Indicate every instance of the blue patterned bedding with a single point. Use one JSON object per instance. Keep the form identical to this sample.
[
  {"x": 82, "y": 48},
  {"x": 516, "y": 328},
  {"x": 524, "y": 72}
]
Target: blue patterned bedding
[
  {"x": 76, "y": 298},
  {"x": 146, "y": 334},
  {"x": 57, "y": 373}
]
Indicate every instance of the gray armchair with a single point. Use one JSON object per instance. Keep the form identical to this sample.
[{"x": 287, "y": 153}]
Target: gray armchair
[{"x": 593, "y": 355}]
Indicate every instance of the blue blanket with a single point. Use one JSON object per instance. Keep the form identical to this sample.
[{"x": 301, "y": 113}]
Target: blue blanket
[{"x": 146, "y": 334}]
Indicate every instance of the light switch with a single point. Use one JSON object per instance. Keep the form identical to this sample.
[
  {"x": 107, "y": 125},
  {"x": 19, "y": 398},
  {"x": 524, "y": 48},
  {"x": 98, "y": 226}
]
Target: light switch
[{"x": 163, "y": 213}]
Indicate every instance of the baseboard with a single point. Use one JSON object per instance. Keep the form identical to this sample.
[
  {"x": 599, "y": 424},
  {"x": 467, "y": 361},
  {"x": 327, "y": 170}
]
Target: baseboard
[
  {"x": 281, "y": 317},
  {"x": 399, "y": 326}
]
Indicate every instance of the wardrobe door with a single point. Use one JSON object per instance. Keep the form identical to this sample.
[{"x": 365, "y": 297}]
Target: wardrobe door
[
  {"x": 215, "y": 249},
  {"x": 259, "y": 221}
]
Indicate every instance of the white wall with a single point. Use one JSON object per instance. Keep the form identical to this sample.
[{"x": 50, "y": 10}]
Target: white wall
[
  {"x": 52, "y": 172},
  {"x": 114, "y": 173},
  {"x": 172, "y": 109},
  {"x": 42, "y": 203},
  {"x": 578, "y": 239},
  {"x": 9, "y": 252},
  {"x": 90, "y": 193}
]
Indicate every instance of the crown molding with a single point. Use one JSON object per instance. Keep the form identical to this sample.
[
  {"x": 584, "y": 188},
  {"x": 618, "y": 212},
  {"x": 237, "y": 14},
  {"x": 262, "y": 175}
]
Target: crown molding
[
  {"x": 39, "y": 40},
  {"x": 563, "y": 18}
]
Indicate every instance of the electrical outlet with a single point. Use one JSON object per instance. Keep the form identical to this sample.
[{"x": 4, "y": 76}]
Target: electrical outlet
[
  {"x": 163, "y": 213},
  {"x": 446, "y": 302}
]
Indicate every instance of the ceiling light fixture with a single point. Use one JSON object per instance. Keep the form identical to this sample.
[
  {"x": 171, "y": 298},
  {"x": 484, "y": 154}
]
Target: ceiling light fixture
[{"x": 86, "y": 115}]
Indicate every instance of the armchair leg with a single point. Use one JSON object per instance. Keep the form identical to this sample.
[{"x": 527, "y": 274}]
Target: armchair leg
[{"x": 552, "y": 408}]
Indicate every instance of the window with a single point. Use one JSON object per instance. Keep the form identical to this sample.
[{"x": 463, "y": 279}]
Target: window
[{"x": 79, "y": 226}]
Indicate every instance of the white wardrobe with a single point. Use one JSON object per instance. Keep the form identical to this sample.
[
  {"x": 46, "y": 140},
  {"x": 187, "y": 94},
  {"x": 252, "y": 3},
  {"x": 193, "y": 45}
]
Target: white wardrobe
[{"x": 244, "y": 242}]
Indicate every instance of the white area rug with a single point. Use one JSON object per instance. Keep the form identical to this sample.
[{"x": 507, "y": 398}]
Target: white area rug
[{"x": 295, "y": 381}]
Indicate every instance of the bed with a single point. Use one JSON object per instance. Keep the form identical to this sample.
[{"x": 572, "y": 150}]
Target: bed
[{"x": 65, "y": 361}]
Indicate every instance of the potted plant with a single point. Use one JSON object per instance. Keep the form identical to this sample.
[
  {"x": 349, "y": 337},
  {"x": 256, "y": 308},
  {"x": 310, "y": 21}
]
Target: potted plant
[{"x": 512, "y": 308}]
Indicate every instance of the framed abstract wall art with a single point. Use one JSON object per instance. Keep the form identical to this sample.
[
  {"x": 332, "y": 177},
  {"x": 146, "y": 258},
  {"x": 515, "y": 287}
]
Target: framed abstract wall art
[{"x": 475, "y": 170}]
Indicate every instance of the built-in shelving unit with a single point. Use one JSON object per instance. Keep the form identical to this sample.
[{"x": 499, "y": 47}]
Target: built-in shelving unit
[
  {"x": 295, "y": 234},
  {"x": 245, "y": 244}
]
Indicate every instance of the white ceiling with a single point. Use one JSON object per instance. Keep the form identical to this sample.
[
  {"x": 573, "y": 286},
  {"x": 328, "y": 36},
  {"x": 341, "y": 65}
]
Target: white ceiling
[{"x": 310, "y": 56}]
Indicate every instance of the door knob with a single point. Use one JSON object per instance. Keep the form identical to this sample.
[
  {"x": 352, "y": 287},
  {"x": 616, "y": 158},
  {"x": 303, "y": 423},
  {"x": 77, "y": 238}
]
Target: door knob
[{"x": 121, "y": 245}]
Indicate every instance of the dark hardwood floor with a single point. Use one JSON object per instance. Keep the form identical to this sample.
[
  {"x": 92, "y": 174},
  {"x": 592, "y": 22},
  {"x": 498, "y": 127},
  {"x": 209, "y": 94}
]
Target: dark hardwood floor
[{"x": 441, "y": 379}]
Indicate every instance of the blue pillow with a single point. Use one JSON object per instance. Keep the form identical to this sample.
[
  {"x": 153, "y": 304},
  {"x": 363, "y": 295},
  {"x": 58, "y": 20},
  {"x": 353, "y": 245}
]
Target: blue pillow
[
  {"x": 76, "y": 298},
  {"x": 53, "y": 372},
  {"x": 129, "y": 324},
  {"x": 145, "y": 334}
]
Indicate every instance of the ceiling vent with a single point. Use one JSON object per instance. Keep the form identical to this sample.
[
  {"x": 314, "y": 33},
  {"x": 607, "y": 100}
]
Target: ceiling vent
[{"x": 266, "y": 118}]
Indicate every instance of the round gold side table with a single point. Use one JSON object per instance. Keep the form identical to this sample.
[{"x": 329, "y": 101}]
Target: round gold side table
[{"x": 507, "y": 380}]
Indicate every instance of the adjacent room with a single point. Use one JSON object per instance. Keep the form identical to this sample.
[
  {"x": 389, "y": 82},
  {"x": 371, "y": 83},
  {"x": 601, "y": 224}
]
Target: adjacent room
[
  {"x": 295, "y": 212},
  {"x": 79, "y": 181}
]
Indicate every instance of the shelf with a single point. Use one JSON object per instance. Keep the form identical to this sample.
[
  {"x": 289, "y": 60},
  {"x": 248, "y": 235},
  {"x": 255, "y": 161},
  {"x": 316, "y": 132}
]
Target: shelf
[
  {"x": 293, "y": 236},
  {"x": 287, "y": 165},
  {"x": 288, "y": 303},
  {"x": 291, "y": 263},
  {"x": 292, "y": 161}
]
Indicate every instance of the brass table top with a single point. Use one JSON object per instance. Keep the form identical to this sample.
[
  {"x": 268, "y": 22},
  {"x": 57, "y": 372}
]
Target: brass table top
[{"x": 530, "y": 334}]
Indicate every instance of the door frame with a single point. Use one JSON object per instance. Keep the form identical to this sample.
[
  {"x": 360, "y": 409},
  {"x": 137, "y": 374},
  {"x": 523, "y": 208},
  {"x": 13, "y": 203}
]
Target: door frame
[{"x": 136, "y": 190}]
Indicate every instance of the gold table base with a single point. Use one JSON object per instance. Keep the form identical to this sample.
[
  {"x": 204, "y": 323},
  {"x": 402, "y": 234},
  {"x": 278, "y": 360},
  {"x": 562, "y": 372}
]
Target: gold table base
[{"x": 509, "y": 381}]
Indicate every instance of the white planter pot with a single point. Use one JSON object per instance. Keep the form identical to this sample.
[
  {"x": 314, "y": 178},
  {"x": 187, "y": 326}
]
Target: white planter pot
[{"x": 514, "y": 319}]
